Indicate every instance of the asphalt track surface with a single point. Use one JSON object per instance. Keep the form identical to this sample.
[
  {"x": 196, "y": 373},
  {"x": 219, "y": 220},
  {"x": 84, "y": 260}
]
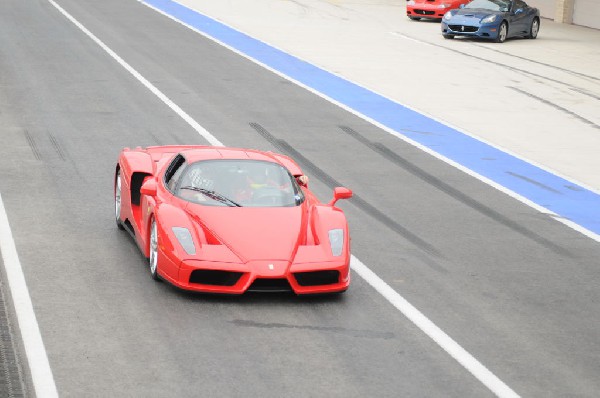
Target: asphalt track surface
[{"x": 512, "y": 286}]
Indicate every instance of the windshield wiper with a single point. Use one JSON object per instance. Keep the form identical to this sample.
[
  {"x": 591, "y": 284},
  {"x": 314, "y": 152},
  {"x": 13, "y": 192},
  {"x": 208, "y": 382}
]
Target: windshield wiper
[{"x": 214, "y": 195}]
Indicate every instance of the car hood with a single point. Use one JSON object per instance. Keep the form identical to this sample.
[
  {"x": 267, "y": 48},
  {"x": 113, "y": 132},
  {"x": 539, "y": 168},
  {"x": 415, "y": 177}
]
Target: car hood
[
  {"x": 471, "y": 14},
  {"x": 254, "y": 233}
]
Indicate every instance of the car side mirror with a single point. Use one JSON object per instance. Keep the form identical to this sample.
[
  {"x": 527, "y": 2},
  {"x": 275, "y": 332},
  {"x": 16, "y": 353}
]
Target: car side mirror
[
  {"x": 518, "y": 11},
  {"x": 149, "y": 187},
  {"x": 302, "y": 180},
  {"x": 340, "y": 193}
]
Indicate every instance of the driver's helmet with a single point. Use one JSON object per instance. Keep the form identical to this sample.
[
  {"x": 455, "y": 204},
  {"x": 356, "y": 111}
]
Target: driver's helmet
[{"x": 257, "y": 178}]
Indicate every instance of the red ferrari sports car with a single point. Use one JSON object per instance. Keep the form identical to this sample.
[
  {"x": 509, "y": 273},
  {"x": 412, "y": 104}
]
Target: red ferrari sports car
[
  {"x": 431, "y": 9},
  {"x": 230, "y": 220}
]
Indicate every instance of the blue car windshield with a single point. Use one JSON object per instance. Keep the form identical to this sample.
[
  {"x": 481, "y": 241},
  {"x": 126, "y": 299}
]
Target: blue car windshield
[{"x": 492, "y": 5}]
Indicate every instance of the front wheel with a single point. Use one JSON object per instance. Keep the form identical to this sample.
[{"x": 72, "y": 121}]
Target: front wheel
[
  {"x": 502, "y": 32},
  {"x": 118, "y": 200},
  {"x": 534, "y": 29},
  {"x": 153, "y": 260}
]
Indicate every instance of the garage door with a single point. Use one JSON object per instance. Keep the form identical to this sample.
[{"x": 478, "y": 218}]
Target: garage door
[
  {"x": 547, "y": 7},
  {"x": 587, "y": 13}
]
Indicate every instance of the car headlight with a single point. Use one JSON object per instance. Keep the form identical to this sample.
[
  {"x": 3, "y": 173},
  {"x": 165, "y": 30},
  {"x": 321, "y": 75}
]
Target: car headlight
[
  {"x": 489, "y": 19},
  {"x": 448, "y": 15},
  {"x": 184, "y": 237},
  {"x": 444, "y": 6},
  {"x": 336, "y": 241},
  {"x": 410, "y": 3}
]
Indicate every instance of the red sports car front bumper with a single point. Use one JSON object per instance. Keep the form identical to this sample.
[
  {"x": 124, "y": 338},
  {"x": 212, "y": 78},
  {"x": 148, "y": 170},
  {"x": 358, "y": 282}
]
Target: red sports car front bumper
[
  {"x": 264, "y": 276},
  {"x": 423, "y": 11}
]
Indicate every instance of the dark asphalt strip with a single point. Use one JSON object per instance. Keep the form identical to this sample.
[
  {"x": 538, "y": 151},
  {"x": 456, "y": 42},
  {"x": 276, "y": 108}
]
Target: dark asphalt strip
[
  {"x": 11, "y": 375},
  {"x": 373, "y": 334},
  {"x": 571, "y": 72},
  {"x": 534, "y": 182},
  {"x": 506, "y": 66},
  {"x": 584, "y": 92},
  {"x": 326, "y": 179},
  {"x": 560, "y": 108},
  {"x": 453, "y": 192}
]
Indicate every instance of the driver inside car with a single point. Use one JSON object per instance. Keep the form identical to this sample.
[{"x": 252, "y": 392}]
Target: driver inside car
[{"x": 257, "y": 180}]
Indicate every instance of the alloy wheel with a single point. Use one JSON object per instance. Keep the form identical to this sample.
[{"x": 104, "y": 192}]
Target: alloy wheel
[
  {"x": 535, "y": 28},
  {"x": 118, "y": 200},
  {"x": 153, "y": 261},
  {"x": 502, "y": 32}
]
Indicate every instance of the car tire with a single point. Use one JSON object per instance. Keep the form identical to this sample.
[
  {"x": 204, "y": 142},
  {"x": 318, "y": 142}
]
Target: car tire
[
  {"x": 118, "y": 200},
  {"x": 534, "y": 28},
  {"x": 153, "y": 257},
  {"x": 448, "y": 36},
  {"x": 502, "y": 32},
  {"x": 414, "y": 18}
]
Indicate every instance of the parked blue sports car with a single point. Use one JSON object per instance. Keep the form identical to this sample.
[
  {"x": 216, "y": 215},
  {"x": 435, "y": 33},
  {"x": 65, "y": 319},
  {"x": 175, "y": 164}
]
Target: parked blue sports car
[{"x": 492, "y": 19}]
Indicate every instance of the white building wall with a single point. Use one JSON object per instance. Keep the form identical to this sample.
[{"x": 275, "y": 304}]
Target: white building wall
[
  {"x": 587, "y": 13},
  {"x": 547, "y": 7}
]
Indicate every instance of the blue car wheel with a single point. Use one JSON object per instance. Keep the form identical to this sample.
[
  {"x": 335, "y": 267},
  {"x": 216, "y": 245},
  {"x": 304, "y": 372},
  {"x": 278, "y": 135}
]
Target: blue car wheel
[
  {"x": 534, "y": 29},
  {"x": 502, "y": 32}
]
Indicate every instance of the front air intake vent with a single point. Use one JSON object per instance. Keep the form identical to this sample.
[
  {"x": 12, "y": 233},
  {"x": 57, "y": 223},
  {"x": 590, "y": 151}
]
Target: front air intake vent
[
  {"x": 463, "y": 28},
  {"x": 215, "y": 277},
  {"x": 270, "y": 285},
  {"x": 316, "y": 278}
]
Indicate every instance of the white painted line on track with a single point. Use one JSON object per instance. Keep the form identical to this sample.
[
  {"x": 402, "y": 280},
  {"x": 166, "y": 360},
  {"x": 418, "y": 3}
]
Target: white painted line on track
[
  {"x": 478, "y": 370},
  {"x": 209, "y": 137},
  {"x": 469, "y": 362},
  {"x": 41, "y": 374}
]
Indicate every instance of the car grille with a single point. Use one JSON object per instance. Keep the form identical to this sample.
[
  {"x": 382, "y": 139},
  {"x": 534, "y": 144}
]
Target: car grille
[
  {"x": 270, "y": 285},
  {"x": 463, "y": 28},
  {"x": 214, "y": 277},
  {"x": 315, "y": 278},
  {"x": 424, "y": 12}
]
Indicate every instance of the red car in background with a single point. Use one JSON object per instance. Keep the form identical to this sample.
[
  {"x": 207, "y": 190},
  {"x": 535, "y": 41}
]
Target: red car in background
[
  {"x": 431, "y": 9},
  {"x": 229, "y": 220}
]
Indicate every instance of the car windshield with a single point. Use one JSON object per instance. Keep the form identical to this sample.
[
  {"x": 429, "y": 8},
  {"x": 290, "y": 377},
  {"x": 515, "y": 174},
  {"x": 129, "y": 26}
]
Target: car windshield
[
  {"x": 492, "y": 5},
  {"x": 239, "y": 183}
]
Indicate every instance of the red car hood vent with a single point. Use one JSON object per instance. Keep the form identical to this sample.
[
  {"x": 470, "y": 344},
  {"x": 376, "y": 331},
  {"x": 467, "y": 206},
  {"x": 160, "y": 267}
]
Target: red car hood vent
[{"x": 254, "y": 233}]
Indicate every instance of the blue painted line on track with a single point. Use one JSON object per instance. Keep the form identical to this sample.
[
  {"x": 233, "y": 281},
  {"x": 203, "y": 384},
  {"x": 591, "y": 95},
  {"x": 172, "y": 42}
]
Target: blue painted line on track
[{"x": 552, "y": 192}]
